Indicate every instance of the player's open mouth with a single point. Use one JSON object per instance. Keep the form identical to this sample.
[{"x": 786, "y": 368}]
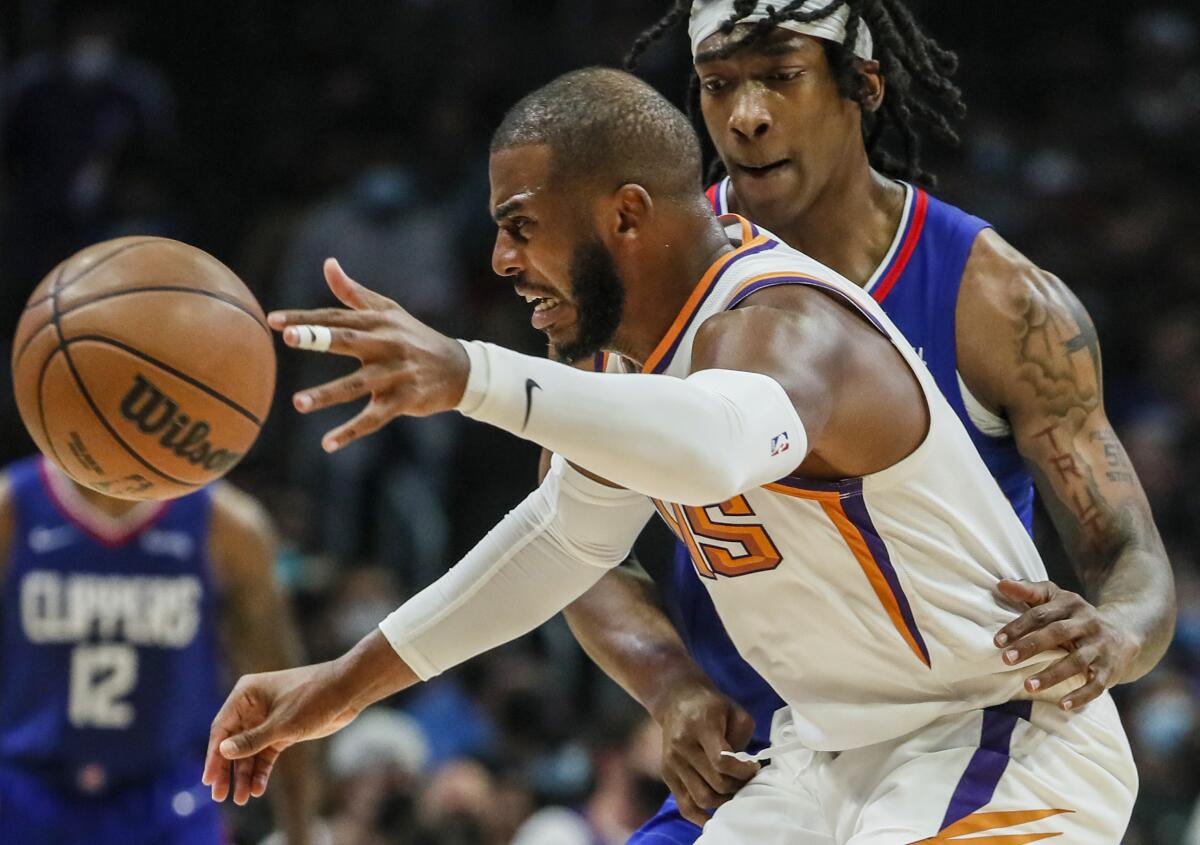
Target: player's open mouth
[
  {"x": 547, "y": 310},
  {"x": 763, "y": 170}
]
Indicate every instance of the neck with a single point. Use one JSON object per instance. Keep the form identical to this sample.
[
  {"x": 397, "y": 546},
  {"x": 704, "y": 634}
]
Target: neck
[
  {"x": 850, "y": 223},
  {"x": 105, "y": 504},
  {"x": 666, "y": 278}
]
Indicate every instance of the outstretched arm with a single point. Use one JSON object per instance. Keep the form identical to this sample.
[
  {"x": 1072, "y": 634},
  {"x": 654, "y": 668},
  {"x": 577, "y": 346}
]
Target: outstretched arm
[
  {"x": 540, "y": 557},
  {"x": 1029, "y": 349}
]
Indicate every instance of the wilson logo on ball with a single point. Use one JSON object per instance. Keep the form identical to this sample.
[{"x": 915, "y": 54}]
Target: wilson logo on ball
[{"x": 152, "y": 411}]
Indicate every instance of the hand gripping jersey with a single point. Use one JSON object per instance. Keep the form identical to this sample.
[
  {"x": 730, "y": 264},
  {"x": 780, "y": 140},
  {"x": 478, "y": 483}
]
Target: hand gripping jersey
[
  {"x": 868, "y": 605},
  {"x": 109, "y": 650}
]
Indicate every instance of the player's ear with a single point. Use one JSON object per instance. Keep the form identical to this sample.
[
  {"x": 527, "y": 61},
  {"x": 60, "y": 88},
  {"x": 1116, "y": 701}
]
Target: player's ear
[
  {"x": 632, "y": 206},
  {"x": 872, "y": 85}
]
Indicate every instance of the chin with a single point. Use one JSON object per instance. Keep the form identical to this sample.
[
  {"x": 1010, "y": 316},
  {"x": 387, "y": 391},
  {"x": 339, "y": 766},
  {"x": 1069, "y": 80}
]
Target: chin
[{"x": 764, "y": 199}]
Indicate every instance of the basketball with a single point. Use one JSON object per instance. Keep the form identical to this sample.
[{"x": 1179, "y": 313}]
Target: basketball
[{"x": 143, "y": 367}]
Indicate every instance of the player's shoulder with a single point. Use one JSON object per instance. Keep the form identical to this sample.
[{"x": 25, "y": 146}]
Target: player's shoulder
[{"x": 1001, "y": 283}]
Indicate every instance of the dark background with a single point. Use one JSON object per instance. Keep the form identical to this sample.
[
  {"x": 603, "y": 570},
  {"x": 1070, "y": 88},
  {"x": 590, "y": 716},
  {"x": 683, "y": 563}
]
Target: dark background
[{"x": 274, "y": 133}]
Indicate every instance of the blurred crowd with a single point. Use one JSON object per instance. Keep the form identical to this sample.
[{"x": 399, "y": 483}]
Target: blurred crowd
[{"x": 275, "y": 134}]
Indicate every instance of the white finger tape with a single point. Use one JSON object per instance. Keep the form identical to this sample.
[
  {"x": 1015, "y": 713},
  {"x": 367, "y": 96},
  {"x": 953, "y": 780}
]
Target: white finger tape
[{"x": 316, "y": 338}]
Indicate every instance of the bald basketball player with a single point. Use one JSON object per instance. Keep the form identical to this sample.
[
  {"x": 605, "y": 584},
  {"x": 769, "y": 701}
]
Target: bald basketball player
[
  {"x": 836, "y": 511},
  {"x": 115, "y": 616}
]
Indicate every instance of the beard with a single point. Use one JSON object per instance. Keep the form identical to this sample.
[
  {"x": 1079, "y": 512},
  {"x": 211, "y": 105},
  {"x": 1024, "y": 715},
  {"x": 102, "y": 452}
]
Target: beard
[{"x": 599, "y": 295}]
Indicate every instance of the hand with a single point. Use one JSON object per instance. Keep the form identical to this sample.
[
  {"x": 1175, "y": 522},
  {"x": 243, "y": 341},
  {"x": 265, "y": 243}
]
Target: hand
[
  {"x": 408, "y": 369},
  {"x": 1098, "y": 648},
  {"x": 263, "y": 715},
  {"x": 698, "y": 723}
]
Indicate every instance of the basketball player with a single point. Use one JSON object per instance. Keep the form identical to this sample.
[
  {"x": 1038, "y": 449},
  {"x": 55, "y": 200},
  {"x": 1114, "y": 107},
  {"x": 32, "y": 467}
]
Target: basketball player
[
  {"x": 800, "y": 122},
  {"x": 858, "y": 539},
  {"x": 111, "y": 614}
]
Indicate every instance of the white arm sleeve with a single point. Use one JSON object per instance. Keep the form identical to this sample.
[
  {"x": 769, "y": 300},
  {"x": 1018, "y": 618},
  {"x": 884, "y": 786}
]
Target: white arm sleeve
[
  {"x": 694, "y": 441},
  {"x": 541, "y": 557}
]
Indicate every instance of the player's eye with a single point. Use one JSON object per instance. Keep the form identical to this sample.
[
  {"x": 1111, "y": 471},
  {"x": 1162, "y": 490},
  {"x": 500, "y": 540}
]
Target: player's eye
[
  {"x": 518, "y": 228},
  {"x": 712, "y": 84},
  {"x": 784, "y": 75}
]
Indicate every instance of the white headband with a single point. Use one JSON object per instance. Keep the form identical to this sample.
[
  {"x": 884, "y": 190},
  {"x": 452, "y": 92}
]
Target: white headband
[{"x": 708, "y": 15}]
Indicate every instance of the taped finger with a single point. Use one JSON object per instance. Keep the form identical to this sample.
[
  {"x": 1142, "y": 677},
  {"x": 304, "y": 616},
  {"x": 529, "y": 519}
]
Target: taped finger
[{"x": 315, "y": 338}]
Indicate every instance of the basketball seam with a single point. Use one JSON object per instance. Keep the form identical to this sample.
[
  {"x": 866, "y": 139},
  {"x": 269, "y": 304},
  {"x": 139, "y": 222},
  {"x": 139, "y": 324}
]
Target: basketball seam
[
  {"x": 169, "y": 289},
  {"x": 42, "y": 378},
  {"x": 58, "y": 288},
  {"x": 150, "y": 359},
  {"x": 153, "y": 289},
  {"x": 62, "y": 347},
  {"x": 29, "y": 340}
]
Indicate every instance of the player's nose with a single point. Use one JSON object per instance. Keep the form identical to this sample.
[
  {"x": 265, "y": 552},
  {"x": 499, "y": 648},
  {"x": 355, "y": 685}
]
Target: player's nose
[
  {"x": 506, "y": 257},
  {"x": 750, "y": 118}
]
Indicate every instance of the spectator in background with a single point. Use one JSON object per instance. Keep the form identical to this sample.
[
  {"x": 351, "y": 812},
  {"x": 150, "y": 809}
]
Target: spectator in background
[
  {"x": 387, "y": 498},
  {"x": 83, "y": 127},
  {"x": 628, "y": 788}
]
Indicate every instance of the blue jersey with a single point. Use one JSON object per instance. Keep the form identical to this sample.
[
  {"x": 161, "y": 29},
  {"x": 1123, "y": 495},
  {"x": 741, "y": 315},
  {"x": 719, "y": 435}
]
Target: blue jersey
[
  {"x": 917, "y": 285},
  {"x": 109, "y": 650}
]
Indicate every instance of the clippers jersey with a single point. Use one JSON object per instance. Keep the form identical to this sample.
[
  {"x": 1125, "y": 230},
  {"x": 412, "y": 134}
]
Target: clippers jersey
[
  {"x": 885, "y": 584},
  {"x": 109, "y": 649},
  {"x": 917, "y": 286}
]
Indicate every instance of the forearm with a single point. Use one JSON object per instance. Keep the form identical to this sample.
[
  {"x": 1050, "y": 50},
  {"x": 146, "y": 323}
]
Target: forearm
[
  {"x": 542, "y": 556},
  {"x": 1103, "y": 518},
  {"x": 693, "y": 441},
  {"x": 624, "y": 631}
]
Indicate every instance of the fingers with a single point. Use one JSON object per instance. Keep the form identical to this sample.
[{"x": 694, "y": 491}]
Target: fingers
[
  {"x": 353, "y": 343},
  {"x": 1090, "y": 691},
  {"x": 216, "y": 767},
  {"x": 368, "y": 421},
  {"x": 701, "y": 795},
  {"x": 350, "y": 293},
  {"x": 687, "y": 807},
  {"x": 1059, "y": 605},
  {"x": 1076, "y": 663},
  {"x": 1061, "y": 633},
  {"x": 264, "y": 763},
  {"x": 739, "y": 729},
  {"x": 243, "y": 771},
  {"x": 739, "y": 770},
  {"x": 1030, "y": 592},
  {"x": 349, "y": 387},
  {"x": 248, "y": 743},
  {"x": 333, "y": 317},
  {"x": 706, "y": 763}
]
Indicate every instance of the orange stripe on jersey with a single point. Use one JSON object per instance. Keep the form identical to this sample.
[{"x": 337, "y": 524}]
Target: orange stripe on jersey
[
  {"x": 986, "y": 822},
  {"x": 831, "y": 503},
  {"x": 700, "y": 293}
]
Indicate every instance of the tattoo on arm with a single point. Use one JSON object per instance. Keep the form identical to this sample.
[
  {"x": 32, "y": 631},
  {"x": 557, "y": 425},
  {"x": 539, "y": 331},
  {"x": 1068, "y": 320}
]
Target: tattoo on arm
[{"x": 1089, "y": 495}]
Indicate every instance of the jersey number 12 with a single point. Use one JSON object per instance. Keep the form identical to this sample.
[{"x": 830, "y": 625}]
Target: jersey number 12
[{"x": 101, "y": 675}]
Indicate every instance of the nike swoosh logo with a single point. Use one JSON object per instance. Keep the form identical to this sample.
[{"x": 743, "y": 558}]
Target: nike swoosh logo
[{"x": 530, "y": 384}]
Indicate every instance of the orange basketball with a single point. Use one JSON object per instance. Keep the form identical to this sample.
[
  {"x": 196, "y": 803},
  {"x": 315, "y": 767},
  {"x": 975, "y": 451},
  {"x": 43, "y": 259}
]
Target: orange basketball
[{"x": 143, "y": 367}]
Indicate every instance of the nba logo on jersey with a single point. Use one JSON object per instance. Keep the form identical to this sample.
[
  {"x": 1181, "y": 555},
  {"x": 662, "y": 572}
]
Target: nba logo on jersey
[{"x": 779, "y": 444}]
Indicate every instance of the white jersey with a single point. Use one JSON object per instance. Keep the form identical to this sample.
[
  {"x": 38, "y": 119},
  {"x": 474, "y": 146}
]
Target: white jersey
[{"x": 869, "y": 604}]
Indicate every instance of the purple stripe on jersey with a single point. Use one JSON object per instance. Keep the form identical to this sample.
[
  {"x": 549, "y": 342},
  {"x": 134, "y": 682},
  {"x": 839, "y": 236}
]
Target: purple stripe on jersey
[
  {"x": 811, "y": 282},
  {"x": 855, "y": 507},
  {"x": 719, "y": 196},
  {"x": 666, "y": 359},
  {"x": 978, "y": 783}
]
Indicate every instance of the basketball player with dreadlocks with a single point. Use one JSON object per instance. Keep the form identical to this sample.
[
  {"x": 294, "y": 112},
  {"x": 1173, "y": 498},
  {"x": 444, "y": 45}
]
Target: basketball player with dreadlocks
[{"x": 818, "y": 142}]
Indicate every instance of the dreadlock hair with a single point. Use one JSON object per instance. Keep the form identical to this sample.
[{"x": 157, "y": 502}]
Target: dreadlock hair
[{"x": 917, "y": 70}]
